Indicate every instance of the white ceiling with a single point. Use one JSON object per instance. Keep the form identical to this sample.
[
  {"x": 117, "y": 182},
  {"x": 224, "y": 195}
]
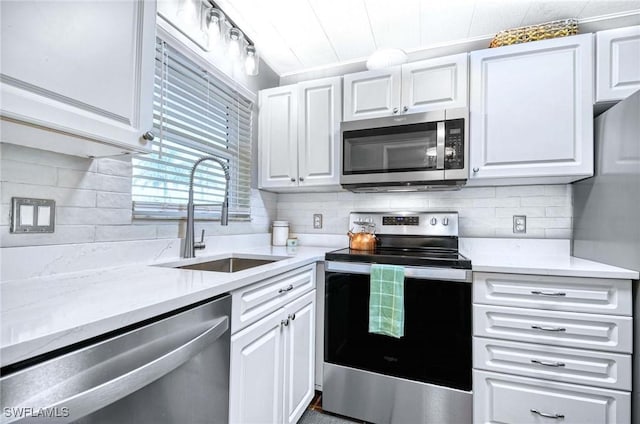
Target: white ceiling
[{"x": 298, "y": 35}]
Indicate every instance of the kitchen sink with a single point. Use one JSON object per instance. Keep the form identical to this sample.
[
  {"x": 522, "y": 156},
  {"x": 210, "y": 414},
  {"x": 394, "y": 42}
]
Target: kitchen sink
[
  {"x": 233, "y": 263},
  {"x": 228, "y": 264}
]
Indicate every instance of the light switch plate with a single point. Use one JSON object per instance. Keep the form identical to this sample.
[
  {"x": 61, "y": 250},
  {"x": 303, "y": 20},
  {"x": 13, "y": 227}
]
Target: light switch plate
[{"x": 32, "y": 215}]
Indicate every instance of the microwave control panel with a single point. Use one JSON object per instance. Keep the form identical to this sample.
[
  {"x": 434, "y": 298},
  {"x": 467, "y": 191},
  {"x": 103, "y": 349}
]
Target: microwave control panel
[{"x": 454, "y": 144}]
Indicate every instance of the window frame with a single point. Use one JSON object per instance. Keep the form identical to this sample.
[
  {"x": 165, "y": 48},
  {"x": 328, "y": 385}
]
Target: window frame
[{"x": 145, "y": 210}]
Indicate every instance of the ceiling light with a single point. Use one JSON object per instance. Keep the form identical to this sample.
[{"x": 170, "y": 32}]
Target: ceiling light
[
  {"x": 215, "y": 26},
  {"x": 385, "y": 58},
  {"x": 236, "y": 43},
  {"x": 252, "y": 61}
]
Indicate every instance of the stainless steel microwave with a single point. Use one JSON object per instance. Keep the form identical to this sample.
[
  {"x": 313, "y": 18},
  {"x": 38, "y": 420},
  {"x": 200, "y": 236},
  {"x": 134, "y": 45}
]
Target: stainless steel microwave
[{"x": 420, "y": 151}]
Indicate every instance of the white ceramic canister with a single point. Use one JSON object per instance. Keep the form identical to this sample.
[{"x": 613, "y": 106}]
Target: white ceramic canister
[{"x": 280, "y": 233}]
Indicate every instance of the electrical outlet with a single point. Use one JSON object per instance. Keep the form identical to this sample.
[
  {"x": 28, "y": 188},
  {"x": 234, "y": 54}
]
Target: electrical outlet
[
  {"x": 317, "y": 221},
  {"x": 519, "y": 224}
]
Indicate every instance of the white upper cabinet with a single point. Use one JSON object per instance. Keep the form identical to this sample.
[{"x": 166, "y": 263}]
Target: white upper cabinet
[
  {"x": 299, "y": 135},
  {"x": 372, "y": 94},
  {"x": 71, "y": 83},
  {"x": 278, "y": 137},
  {"x": 435, "y": 84},
  {"x": 531, "y": 112},
  {"x": 319, "y": 111},
  {"x": 422, "y": 86},
  {"x": 618, "y": 63}
]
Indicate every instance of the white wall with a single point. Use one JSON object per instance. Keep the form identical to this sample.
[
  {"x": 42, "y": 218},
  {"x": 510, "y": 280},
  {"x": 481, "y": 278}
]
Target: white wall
[
  {"x": 93, "y": 200},
  {"x": 484, "y": 211}
]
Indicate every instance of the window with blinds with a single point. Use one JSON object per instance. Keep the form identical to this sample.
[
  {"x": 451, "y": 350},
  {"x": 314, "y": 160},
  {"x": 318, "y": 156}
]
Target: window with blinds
[{"x": 194, "y": 115}]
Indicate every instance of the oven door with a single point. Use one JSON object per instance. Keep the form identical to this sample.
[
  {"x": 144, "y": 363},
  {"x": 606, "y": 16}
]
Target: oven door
[{"x": 436, "y": 347}]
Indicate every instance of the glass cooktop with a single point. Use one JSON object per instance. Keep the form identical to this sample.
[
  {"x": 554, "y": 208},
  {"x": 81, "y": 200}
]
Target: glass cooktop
[{"x": 448, "y": 258}]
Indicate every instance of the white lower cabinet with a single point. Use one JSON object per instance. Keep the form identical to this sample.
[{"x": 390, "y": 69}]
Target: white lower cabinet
[
  {"x": 565, "y": 357},
  {"x": 299, "y": 357},
  {"x": 602, "y": 369},
  {"x": 256, "y": 377},
  {"x": 588, "y": 331},
  {"x": 272, "y": 365},
  {"x": 502, "y": 398}
]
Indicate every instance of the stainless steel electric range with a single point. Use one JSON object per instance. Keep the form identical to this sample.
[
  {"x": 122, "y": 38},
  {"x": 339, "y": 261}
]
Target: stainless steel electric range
[{"x": 424, "y": 376}]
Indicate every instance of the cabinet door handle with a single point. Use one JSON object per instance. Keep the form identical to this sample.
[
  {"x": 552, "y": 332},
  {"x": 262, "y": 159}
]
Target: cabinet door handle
[
  {"x": 541, "y": 293},
  {"x": 301, "y": 179},
  {"x": 405, "y": 109},
  {"x": 293, "y": 180},
  {"x": 557, "y": 329},
  {"x": 547, "y": 364},
  {"x": 292, "y": 317},
  {"x": 284, "y": 322},
  {"x": 286, "y": 289},
  {"x": 547, "y": 415},
  {"x": 476, "y": 169},
  {"x": 395, "y": 110},
  {"x": 149, "y": 136}
]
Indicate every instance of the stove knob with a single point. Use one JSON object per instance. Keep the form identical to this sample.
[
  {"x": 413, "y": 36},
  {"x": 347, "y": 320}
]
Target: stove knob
[
  {"x": 434, "y": 221},
  {"x": 445, "y": 221}
]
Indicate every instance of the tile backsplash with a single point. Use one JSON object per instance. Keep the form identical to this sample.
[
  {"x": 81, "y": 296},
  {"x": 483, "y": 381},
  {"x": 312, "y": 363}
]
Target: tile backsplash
[
  {"x": 93, "y": 204},
  {"x": 484, "y": 211},
  {"x": 93, "y": 200}
]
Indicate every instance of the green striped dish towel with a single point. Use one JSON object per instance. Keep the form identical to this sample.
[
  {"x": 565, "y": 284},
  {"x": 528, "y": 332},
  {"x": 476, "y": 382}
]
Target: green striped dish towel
[{"x": 386, "y": 300}]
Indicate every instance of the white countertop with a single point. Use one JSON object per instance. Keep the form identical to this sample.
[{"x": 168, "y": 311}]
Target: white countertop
[
  {"x": 39, "y": 315},
  {"x": 42, "y": 314},
  {"x": 535, "y": 256},
  {"x": 569, "y": 266}
]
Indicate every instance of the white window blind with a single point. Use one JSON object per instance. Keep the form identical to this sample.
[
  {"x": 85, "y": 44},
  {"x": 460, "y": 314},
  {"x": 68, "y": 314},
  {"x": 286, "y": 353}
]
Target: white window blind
[{"x": 194, "y": 115}]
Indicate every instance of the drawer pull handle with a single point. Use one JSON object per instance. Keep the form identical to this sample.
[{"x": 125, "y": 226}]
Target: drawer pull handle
[
  {"x": 547, "y": 415},
  {"x": 541, "y": 293},
  {"x": 539, "y": 327},
  {"x": 286, "y": 289},
  {"x": 547, "y": 364}
]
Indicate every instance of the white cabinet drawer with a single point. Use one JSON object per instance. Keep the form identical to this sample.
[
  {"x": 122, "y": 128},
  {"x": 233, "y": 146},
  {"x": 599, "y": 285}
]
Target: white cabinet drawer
[
  {"x": 601, "y": 369},
  {"x": 251, "y": 303},
  {"x": 499, "y": 398},
  {"x": 571, "y": 294},
  {"x": 590, "y": 331}
]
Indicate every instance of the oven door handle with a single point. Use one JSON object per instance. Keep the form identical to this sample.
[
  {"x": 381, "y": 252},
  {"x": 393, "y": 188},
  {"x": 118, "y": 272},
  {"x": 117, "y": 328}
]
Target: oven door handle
[{"x": 421, "y": 273}]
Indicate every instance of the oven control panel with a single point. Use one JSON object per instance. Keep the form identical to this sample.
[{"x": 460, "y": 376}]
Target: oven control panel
[
  {"x": 408, "y": 223},
  {"x": 401, "y": 220}
]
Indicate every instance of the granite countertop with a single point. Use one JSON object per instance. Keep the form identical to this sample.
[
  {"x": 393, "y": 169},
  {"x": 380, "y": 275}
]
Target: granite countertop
[{"x": 39, "y": 315}]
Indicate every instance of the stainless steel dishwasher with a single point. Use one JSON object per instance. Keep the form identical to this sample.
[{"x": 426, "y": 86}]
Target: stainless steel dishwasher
[{"x": 171, "y": 369}]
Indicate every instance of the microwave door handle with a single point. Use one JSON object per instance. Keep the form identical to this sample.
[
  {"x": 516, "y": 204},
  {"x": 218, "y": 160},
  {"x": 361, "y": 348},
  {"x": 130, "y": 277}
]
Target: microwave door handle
[{"x": 440, "y": 134}]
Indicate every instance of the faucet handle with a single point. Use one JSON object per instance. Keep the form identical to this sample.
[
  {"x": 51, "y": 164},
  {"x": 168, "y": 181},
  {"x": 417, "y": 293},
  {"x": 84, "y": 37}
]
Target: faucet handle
[{"x": 200, "y": 244}]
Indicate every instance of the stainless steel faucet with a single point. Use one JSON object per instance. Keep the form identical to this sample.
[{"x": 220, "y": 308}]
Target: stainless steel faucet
[{"x": 190, "y": 246}]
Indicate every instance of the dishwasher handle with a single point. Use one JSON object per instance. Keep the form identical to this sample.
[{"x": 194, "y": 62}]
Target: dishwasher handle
[{"x": 84, "y": 403}]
